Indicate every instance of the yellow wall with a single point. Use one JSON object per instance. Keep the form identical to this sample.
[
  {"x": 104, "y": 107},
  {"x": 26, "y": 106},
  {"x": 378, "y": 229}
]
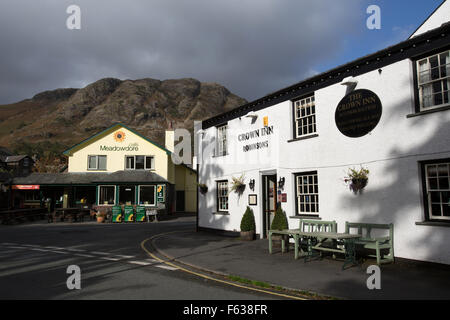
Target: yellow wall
[
  {"x": 115, "y": 161},
  {"x": 186, "y": 180}
]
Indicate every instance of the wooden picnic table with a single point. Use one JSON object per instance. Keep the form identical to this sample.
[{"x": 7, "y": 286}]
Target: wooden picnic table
[
  {"x": 316, "y": 240},
  {"x": 72, "y": 213},
  {"x": 7, "y": 216}
]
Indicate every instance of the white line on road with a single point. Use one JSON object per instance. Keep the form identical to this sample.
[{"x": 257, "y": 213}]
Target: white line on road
[
  {"x": 76, "y": 250},
  {"x": 141, "y": 263},
  {"x": 123, "y": 257},
  {"x": 108, "y": 258},
  {"x": 101, "y": 253}
]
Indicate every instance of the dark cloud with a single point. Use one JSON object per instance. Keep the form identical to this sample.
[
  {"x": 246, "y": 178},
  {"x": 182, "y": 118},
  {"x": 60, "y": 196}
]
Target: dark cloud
[{"x": 253, "y": 47}]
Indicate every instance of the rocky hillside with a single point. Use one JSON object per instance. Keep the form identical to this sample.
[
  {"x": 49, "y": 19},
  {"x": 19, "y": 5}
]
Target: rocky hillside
[{"x": 63, "y": 117}]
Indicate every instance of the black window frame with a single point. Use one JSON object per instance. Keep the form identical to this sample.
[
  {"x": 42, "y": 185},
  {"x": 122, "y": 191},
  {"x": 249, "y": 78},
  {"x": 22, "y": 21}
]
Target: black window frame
[
  {"x": 294, "y": 122},
  {"x": 426, "y": 205},
  {"x": 414, "y": 60},
  {"x": 297, "y": 209},
  {"x": 217, "y": 197}
]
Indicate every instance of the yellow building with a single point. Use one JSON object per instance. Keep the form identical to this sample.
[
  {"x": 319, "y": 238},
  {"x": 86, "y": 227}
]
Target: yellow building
[{"x": 119, "y": 166}]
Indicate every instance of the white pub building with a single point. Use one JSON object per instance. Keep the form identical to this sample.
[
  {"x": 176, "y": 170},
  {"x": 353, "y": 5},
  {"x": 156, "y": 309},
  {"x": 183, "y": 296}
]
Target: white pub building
[{"x": 387, "y": 112}]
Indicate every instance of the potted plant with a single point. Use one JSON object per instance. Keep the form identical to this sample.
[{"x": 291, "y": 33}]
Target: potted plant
[
  {"x": 357, "y": 179},
  {"x": 238, "y": 184},
  {"x": 203, "y": 188},
  {"x": 248, "y": 226},
  {"x": 101, "y": 217},
  {"x": 279, "y": 222}
]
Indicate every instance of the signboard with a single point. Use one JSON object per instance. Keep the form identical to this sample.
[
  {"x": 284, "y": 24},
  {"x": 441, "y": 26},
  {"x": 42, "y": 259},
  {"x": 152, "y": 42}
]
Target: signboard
[
  {"x": 160, "y": 193},
  {"x": 358, "y": 113},
  {"x": 25, "y": 187},
  {"x": 252, "y": 200}
]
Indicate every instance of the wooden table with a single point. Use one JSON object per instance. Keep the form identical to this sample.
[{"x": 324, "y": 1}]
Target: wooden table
[
  {"x": 315, "y": 241},
  {"x": 72, "y": 213}
]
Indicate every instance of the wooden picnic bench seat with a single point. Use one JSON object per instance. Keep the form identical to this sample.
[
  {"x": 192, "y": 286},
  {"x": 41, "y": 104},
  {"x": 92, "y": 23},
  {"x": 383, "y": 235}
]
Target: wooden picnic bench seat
[
  {"x": 377, "y": 243},
  {"x": 305, "y": 225}
]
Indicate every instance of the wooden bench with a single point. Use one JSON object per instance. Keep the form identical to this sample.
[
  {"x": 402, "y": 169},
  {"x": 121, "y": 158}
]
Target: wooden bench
[
  {"x": 305, "y": 226},
  {"x": 377, "y": 243}
]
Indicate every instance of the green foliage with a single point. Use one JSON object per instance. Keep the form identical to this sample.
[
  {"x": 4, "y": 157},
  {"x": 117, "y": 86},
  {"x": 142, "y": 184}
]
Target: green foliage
[
  {"x": 248, "y": 221},
  {"x": 358, "y": 174},
  {"x": 237, "y": 185},
  {"x": 280, "y": 221}
]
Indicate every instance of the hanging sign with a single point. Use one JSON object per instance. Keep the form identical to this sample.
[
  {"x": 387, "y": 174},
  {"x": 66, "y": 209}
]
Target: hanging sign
[
  {"x": 160, "y": 193},
  {"x": 358, "y": 113},
  {"x": 25, "y": 187}
]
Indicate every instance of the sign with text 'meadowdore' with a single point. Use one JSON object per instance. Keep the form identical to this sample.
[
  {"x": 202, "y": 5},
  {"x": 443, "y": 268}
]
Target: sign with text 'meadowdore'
[{"x": 358, "y": 113}]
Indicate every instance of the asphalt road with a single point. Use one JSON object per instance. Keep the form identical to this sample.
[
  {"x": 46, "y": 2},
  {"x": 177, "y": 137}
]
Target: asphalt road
[{"x": 34, "y": 259}]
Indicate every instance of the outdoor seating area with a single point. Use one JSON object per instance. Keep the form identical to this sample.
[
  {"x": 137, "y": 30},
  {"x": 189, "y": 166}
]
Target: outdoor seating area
[
  {"x": 313, "y": 237},
  {"x": 21, "y": 215}
]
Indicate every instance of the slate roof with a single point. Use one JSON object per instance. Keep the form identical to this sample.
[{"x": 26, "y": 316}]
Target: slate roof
[{"x": 131, "y": 176}]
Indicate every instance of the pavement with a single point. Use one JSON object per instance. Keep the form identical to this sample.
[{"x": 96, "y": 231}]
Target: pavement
[{"x": 224, "y": 255}]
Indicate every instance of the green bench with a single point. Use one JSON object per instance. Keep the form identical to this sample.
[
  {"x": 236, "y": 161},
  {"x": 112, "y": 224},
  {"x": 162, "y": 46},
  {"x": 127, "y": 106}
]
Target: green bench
[
  {"x": 305, "y": 226},
  {"x": 368, "y": 241}
]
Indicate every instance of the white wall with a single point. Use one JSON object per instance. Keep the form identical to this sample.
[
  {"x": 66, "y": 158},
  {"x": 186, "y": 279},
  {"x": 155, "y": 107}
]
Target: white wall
[
  {"x": 391, "y": 152},
  {"x": 439, "y": 17}
]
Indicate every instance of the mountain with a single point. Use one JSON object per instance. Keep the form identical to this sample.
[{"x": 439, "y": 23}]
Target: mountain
[{"x": 63, "y": 117}]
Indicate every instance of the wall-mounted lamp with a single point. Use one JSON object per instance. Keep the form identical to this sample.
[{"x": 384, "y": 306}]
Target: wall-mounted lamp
[
  {"x": 251, "y": 184},
  {"x": 281, "y": 183},
  {"x": 350, "y": 82},
  {"x": 252, "y": 115}
]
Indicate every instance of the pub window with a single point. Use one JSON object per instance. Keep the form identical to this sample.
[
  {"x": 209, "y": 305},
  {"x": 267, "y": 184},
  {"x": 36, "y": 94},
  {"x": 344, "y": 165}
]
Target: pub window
[
  {"x": 307, "y": 193},
  {"x": 147, "y": 195},
  {"x": 437, "y": 190},
  {"x": 222, "y": 195},
  {"x": 433, "y": 78},
  {"x": 305, "y": 116},
  {"x": 107, "y": 195},
  {"x": 97, "y": 162},
  {"x": 221, "y": 146},
  {"x": 139, "y": 162}
]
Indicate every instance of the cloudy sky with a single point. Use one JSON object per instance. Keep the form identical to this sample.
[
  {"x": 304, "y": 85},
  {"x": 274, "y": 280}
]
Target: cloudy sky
[{"x": 253, "y": 47}]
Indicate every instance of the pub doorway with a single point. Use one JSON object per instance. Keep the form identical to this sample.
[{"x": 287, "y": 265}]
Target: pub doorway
[{"x": 269, "y": 183}]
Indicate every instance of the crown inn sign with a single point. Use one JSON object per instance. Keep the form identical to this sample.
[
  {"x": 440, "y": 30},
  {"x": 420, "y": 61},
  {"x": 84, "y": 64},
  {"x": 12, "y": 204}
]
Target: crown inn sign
[{"x": 358, "y": 113}]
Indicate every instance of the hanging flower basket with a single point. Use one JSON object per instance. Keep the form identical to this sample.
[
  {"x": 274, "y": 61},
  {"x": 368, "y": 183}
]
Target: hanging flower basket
[
  {"x": 238, "y": 185},
  {"x": 357, "y": 179},
  {"x": 203, "y": 188}
]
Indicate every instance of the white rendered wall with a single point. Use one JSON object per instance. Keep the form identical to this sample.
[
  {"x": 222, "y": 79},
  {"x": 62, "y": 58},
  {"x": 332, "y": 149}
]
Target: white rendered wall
[
  {"x": 439, "y": 17},
  {"x": 391, "y": 152}
]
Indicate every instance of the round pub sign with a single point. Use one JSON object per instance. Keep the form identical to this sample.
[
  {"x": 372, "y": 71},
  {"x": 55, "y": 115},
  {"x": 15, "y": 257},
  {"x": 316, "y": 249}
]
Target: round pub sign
[{"x": 358, "y": 113}]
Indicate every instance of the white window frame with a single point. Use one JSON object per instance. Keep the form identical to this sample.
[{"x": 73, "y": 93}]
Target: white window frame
[
  {"x": 301, "y": 194},
  {"x": 145, "y": 162},
  {"x": 96, "y": 161},
  {"x": 100, "y": 203},
  {"x": 429, "y": 190},
  {"x": 220, "y": 198},
  {"x": 221, "y": 144},
  {"x": 302, "y": 120},
  {"x": 154, "y": 197},
  {"x": 429, "y": 82}
]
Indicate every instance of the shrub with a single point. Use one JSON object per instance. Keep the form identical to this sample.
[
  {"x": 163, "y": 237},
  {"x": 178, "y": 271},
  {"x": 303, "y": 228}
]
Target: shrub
[
  {"x": 280, "y": 220},
  {"x": 248, "y": 221}
]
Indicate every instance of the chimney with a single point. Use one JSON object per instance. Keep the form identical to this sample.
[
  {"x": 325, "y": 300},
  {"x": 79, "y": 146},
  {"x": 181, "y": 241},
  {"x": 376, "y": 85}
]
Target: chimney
[{"x": 170, "y": 138}]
